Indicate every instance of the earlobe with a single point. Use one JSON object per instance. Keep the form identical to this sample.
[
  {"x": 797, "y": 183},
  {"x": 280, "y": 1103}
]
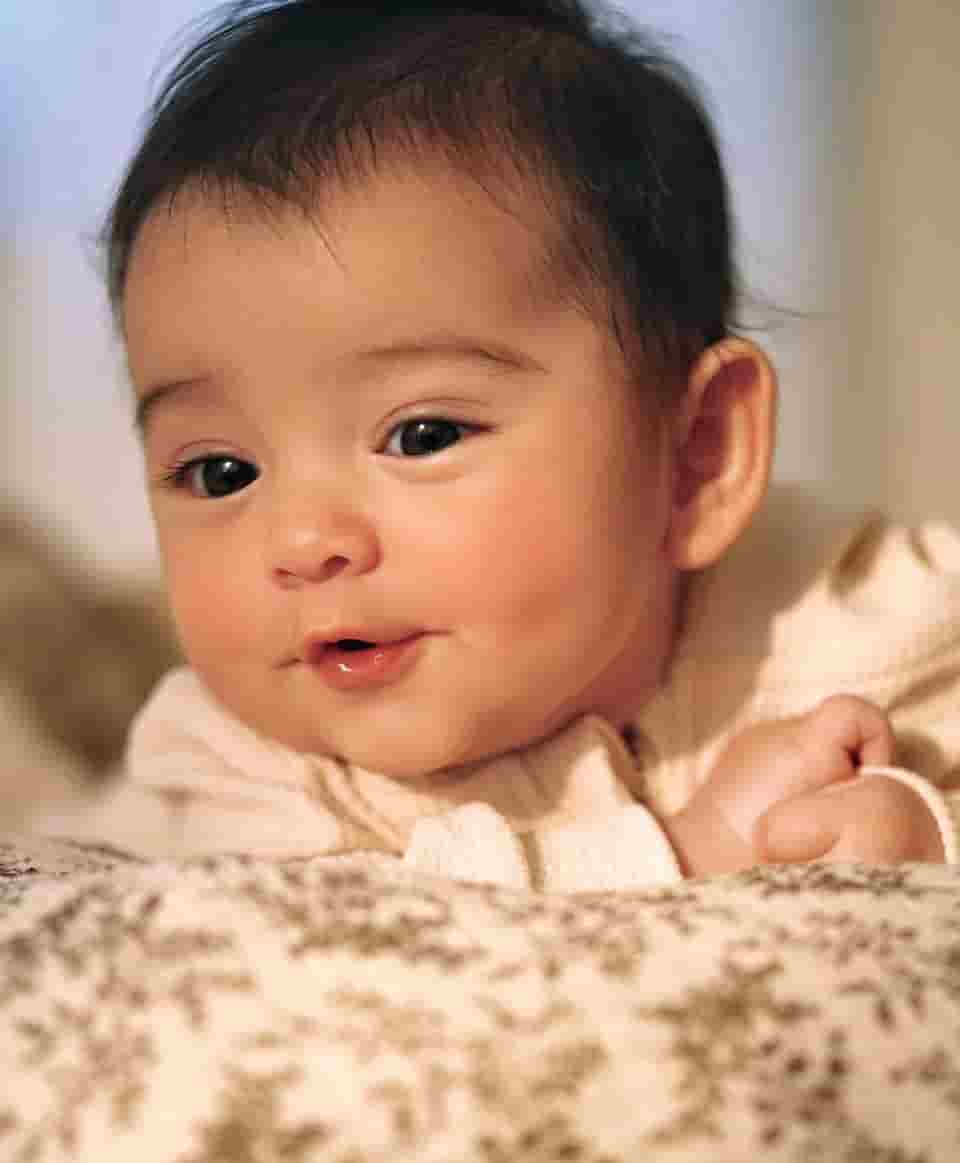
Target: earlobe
[{"x": 723, "y": 437}]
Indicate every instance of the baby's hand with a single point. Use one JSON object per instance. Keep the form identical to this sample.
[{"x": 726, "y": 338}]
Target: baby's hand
[
  {"x": 785, "y": 792},
  {"x": 874, "y": 818}
]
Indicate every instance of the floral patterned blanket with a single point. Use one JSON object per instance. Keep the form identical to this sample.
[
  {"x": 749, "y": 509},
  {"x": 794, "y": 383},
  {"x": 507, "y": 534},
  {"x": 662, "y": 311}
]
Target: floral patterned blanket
[{"x": 349, "y": 1010}]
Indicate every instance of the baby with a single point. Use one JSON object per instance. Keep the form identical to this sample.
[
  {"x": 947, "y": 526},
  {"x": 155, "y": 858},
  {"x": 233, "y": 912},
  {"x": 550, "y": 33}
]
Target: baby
[{"x": 428, "y": 312}]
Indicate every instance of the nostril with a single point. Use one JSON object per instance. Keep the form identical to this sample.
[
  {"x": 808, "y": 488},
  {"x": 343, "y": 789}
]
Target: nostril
[{"x": 300, "y": 567}]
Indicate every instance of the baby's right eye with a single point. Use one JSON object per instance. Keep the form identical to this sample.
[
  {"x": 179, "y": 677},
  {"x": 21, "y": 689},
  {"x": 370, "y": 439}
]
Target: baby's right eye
[{"x": 213, "y": 477}]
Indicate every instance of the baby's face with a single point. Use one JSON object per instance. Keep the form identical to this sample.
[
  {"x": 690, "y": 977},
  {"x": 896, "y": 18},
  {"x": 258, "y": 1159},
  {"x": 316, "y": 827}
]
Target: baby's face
[{"x": 380, "y": 433}]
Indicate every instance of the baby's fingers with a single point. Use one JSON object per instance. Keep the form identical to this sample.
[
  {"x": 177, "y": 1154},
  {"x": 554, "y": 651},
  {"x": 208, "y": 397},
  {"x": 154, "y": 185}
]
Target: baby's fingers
[
  {"x": 803, "y": 828},
  {"x": 872, "y": 819},
  {"x": 858, "y": 727}
]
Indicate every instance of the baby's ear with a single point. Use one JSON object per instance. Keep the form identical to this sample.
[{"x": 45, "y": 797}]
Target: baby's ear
[{"x": 722, "y": 444}]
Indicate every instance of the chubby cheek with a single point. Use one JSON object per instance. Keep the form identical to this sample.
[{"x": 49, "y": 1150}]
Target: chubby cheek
[
  {"x": 510, "y": 559},
  {"x": 213, "y": 606}
]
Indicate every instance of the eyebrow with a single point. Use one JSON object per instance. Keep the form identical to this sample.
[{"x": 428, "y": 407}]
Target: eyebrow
[
  {"x": 452, "y": 345},
  {"x": 442, "y": 345},
  {"x": 153, "y": 397}
]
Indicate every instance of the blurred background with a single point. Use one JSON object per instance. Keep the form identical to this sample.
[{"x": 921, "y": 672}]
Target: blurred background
[{"x": 839, "y": 121}]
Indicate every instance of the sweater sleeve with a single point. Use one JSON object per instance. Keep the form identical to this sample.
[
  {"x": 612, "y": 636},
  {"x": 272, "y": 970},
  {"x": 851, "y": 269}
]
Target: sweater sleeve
[
  {"x": 888, "y": 625},
  {"x": 864, "y": 606}
]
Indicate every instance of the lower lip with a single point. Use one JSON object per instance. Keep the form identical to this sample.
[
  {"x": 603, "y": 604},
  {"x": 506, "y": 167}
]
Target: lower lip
[{"x": 362, "y": 669}]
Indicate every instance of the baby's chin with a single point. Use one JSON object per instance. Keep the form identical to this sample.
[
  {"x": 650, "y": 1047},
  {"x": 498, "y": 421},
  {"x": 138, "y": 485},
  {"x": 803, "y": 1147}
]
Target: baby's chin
[
  {"x": 407, "y": 741},
  {"x": 433, "y": 763},
  {"x": 432, "y": 758}
]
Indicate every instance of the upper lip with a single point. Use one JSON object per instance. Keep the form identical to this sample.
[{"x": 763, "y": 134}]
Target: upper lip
[{"x": 314, "y": 645}]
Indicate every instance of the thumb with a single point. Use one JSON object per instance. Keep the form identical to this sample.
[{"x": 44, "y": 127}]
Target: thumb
[{"x": 805, "y": 827}]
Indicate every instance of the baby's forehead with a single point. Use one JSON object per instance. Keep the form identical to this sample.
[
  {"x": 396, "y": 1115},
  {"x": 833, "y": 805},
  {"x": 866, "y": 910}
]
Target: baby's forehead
[
  {"x": 492, "y": 220},
  {"x": 393, "y": 259}
]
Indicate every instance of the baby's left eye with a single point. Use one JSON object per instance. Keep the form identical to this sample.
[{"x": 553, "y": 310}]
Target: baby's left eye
[{"x": 422, "y": 437}]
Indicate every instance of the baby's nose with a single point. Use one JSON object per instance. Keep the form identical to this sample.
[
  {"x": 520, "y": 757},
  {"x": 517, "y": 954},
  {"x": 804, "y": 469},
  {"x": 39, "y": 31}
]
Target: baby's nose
[{"x": 314, "y": 543}]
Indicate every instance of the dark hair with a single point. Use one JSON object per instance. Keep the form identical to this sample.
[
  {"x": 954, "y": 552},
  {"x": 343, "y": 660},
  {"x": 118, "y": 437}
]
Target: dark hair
[{"x": 279, "y": 96}]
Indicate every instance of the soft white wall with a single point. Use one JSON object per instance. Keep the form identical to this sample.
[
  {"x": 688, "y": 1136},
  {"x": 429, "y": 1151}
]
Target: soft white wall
[
  {"x": 76, "y": 79},
  {"x": 770, "y": 70}
]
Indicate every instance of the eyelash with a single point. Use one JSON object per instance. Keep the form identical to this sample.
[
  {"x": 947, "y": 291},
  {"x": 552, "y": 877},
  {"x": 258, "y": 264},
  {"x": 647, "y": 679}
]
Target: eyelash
[
  {"x": 177, "y": 476},
  {"x": 466, "y": 430}
]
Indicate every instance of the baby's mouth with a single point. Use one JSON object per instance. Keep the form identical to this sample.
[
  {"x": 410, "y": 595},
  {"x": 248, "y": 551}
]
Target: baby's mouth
[
  {"x": 351, "y": 649},
  {"x": 352, "y": 665}
]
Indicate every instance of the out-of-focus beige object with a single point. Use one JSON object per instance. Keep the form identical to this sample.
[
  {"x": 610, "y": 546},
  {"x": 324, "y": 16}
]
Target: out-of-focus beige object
[
  {"x": 78, "y": 656},
  {"x": 34, "y": 768},
  {"x": 898, "y": 423}
]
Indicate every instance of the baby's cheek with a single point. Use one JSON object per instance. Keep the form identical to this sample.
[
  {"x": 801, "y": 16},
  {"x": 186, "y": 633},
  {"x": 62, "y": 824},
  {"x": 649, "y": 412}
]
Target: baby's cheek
[
  {"x": 214, "y": 613},
  {"x": 512, "y": 557}
]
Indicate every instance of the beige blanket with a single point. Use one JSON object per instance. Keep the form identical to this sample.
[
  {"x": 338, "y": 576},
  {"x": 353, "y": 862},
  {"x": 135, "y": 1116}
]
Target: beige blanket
[{"x": 349, "y": 1009}]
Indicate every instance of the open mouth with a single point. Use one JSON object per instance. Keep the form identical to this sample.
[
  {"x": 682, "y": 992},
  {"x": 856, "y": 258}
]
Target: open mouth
[
  {"x": 351, "y": 645},
  {"x": 355, "y": 664}
]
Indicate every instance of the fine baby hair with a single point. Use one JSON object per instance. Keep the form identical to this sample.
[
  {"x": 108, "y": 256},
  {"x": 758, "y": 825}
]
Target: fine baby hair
[{"x": 275, "y": 100}]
